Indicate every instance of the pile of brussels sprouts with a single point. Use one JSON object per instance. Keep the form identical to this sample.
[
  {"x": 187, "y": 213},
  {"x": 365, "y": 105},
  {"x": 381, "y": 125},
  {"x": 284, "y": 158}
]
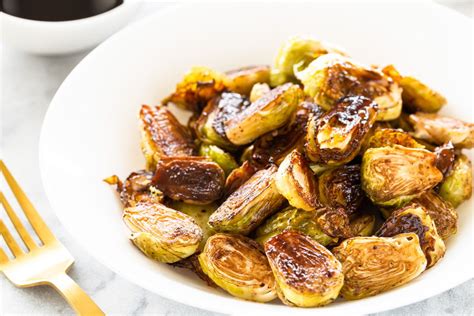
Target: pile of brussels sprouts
[{"x": 316, "y": 178}]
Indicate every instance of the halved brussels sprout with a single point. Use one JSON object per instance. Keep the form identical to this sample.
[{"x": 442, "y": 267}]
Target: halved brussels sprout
[
  {"x": 269, "y": 112},
  {"x": 198, "y": 86},
  {"x": 372, "y": 265},
  {"x": 210, "y": 127},
  {"x": 242, "y": 80},
  {"x": 200, "y": 214},
  {"x": 258, "y": 91},
  {"x": 162, "y": 233},
  {"x": 274, "y": 146},
  {"x": 162, "y": 135},
  {"x": 249, "y": 205},
  {"x": 413, "y": 218},
  {"x": 387, "y": 137},
  {"x": 293, "y": 219},
  {"x": 457, "y": 185},
  {"x": 441, "y": 212},
  {"x": 392, "y": 176},
  {"x": 238, "y": 177},
  {"x": 194, "y": 180},
  {"x": 335, "y": 223},
  {"x": 332, "y": 76},
  {"x": 136, "y": 189},
  {"x": 225, "y": 160},
  {"x": 439, "y": 129},
  {"x": 296, "y": 182},
  {"x": 297, "y": 52},
  {"x": 341, "y": 188},
  {"x": 363, "y": 224},
  {"x": 236, "y": 264},
  {"x": 336, "y": 137},
  {"x": 307, "y": 274},
  {"x": 416, "y": 95},
  {"x": 445, "y": 156}
]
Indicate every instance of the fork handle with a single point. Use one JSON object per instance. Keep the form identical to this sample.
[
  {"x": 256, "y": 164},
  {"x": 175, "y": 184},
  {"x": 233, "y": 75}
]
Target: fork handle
[{"x": 74, "y": 295}]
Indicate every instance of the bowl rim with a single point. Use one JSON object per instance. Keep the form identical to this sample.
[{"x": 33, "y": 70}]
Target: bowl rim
[
  {"x": 124, "y": 7},
  {"x": 188, "y": 300}
]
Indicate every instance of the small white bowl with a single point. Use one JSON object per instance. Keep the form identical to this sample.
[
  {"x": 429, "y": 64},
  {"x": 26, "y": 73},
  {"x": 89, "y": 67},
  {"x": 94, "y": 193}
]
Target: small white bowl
[{"x": 64, "y": 37}]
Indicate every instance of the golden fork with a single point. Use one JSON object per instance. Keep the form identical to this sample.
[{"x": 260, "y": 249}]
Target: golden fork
[{"x": 45, "y": 264}]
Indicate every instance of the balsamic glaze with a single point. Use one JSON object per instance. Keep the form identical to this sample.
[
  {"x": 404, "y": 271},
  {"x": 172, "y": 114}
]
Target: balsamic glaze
[{"x": 57, "y": 10}]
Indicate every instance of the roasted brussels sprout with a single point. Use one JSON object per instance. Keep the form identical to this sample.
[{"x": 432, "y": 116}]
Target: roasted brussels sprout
[
  {"x": 332, "y": 76},
  {"x": 236, "y": 264},
  {"x": 198, "y": 86},
  {"x": 162, "y": 135},
  {"x": 162, "y": 233},
  {"x": 258, "y": 91},
  {"x": 307, "y": 274},
  {"x": 392, "y": 176},
  {"x": 341, "y": 188},
  {"x": 363, "y": 224},
  {"x": 269, "y": 112},
  {"x": 416, "y": 95},
  {"x": 441, "y": 212},
  {"x": 136, "y": 189},
  {"x": 200, "y": 214},
  {"x": 336, "y": 137},
  {"x": 238, "y": 177},
  {"x": 457, "y": 185},
  {"x": 194, "y": 180},
  {"x": 297, "y": 52},
  {"x": 296, "y": 182},
  {"x": 242, "y": 80},
  {"x": 210, "y": 127},
  {"x": 249, "y": 205},
  {"x": 413, "y": 218},
  {"x": 293, "y": 219},
  {"x": 274, "y": 146},
  {"x": 439, "y": 129},
  {"x": 372, "y": 265},
  {"x": 387, "y": 137},
  {"x": 445, "y": 156},
  {"x": 335, "y": 223},
  {"x": 225, "y": 160}
]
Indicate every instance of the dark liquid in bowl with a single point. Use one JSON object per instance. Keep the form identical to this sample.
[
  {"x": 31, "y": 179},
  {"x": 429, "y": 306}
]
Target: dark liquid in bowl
[{"x": 57, "y": 10}]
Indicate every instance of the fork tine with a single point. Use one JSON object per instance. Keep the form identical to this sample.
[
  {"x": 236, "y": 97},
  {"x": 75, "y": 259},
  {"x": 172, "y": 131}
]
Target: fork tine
[
  {"x": 3, "y": 258},
  {"x": 10, "y": 241},
  {"x": 29, "y": 242},
  {"x": 35, "y": 219}
]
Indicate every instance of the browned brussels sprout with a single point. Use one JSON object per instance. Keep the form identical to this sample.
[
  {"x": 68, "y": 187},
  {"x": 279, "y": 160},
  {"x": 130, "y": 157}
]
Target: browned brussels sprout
[
  {"x": 198, "y": 86},
  {"x": 270, "y": 112},
  {"x": 242, "y": 80},
  {"x": 297, "y": 183},
  {"x": 441, "y": 212},
  {"x": 258, "y": 91},
  {"x": 331, "y": 77},
  {"x": 341, "y": 188},
  {"x": 336, "y": 137},
  {"x": 445, "y": 156},
  {"x": 162, "y": 233},
  {"x": 457, "y": 185},
  {"x": 335, "y": 223},
  {"x": 194, "y": 180},
  {"x": 392, "y": 176},
  {"x": 210, "y": 126},
  {"x": 162, "y": 135},
  {"x": 307, "y": 274},
  {"x": 225, "y": 160},
  {"x": 236, "y": 264},
  {"x": 238, "y": 177},
  {"x": 413, "y": 218},
  {"x": 387, "y": 137},
  {"x": 372, "y": 265},
  {"x": 363, "y": 224},
  {"x": 137, "y": 188},
  {"x": 293, "y": 219},
  {"x": 439, "y": 129},
  {"x": 249, "y": 205}
]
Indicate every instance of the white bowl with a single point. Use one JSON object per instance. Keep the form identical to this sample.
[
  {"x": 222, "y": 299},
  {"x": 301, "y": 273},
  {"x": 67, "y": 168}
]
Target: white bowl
[
  {"x": 90, "y": 130},
  {"x": 64, "y": 37}
]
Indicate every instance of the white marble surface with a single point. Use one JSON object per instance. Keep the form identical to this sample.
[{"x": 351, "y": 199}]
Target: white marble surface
[{"x": 27, "y": 86}]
